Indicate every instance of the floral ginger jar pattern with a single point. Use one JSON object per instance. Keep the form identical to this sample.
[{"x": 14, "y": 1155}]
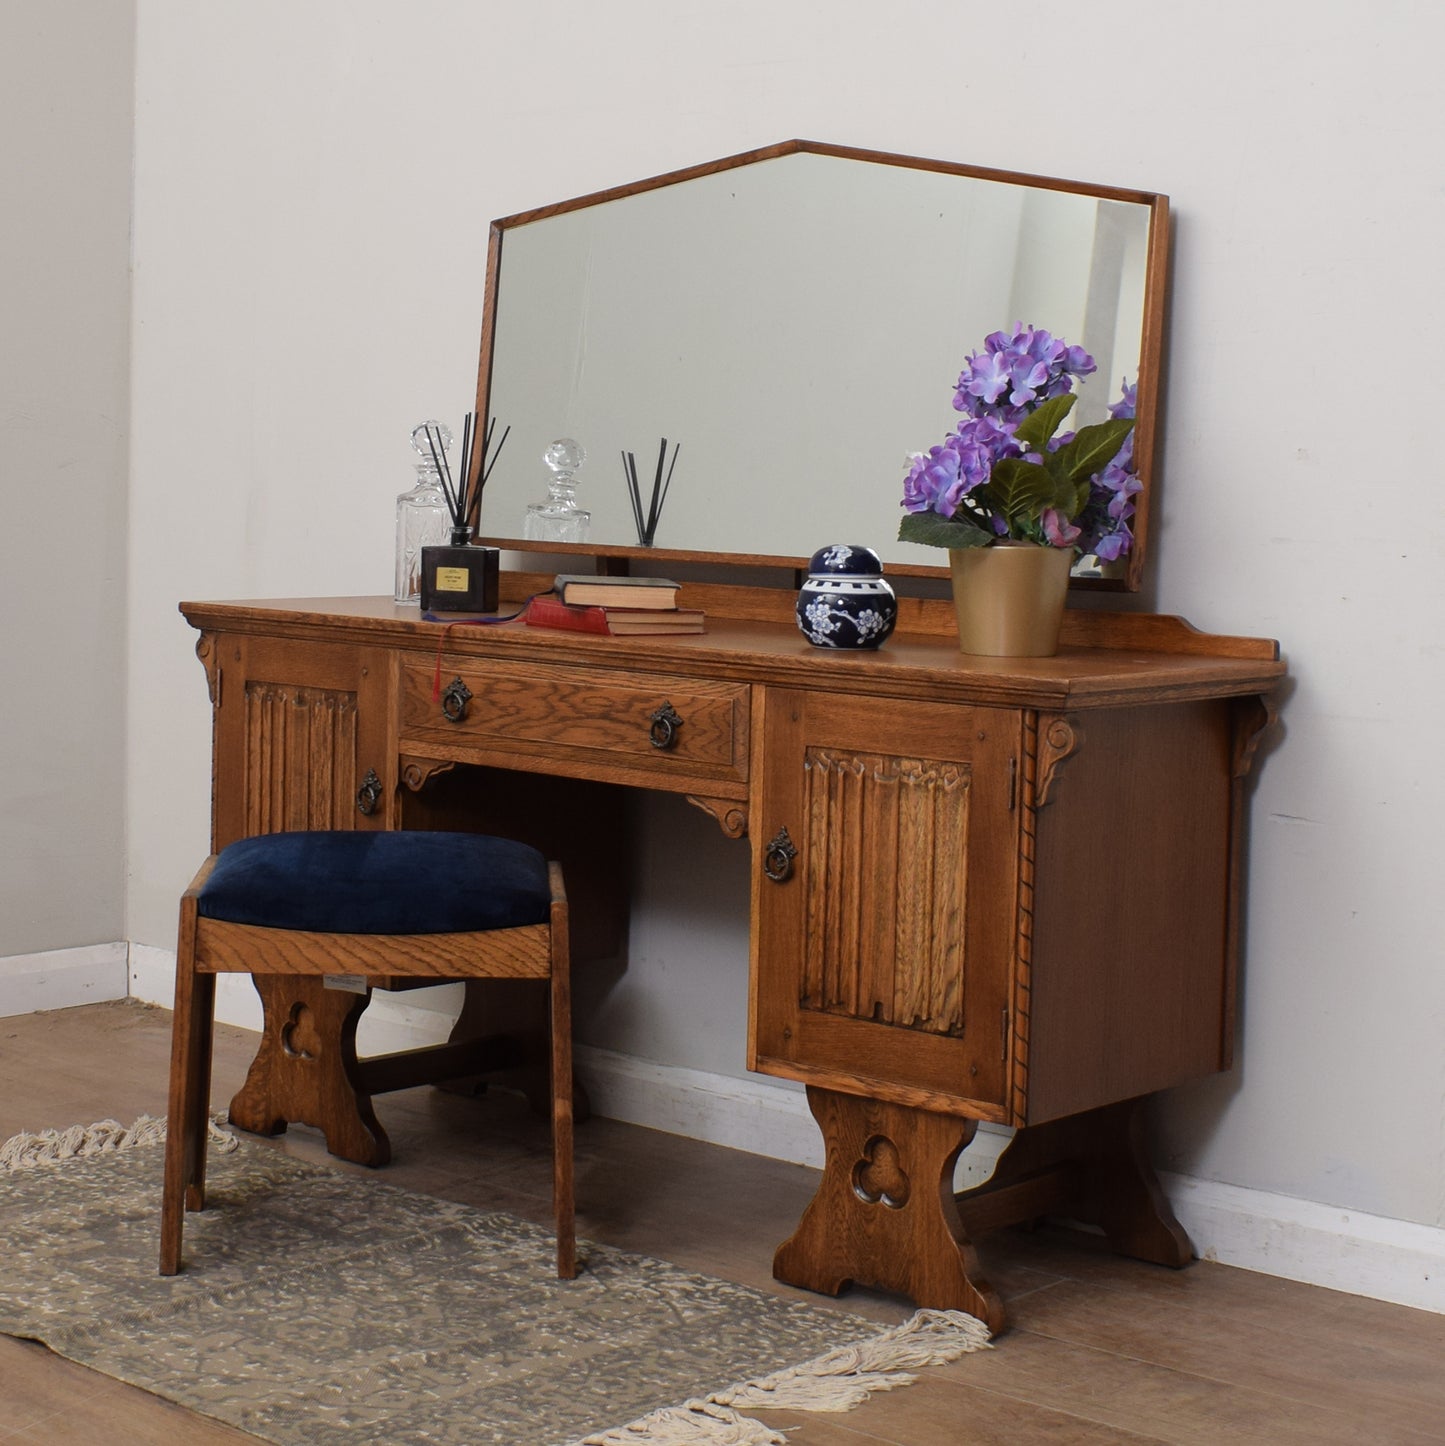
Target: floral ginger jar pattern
[{"x": 846, "y": 603}]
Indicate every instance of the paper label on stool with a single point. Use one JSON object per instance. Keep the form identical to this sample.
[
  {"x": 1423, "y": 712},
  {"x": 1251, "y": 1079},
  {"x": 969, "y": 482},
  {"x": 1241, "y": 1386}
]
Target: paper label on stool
[
  {"x": 351, "y": 983},
  {"x": 453, "y": 579}
]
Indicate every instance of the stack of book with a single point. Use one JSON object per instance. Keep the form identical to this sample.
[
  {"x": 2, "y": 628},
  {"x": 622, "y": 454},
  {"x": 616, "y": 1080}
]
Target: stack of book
[{"x": 622, "y": 606}]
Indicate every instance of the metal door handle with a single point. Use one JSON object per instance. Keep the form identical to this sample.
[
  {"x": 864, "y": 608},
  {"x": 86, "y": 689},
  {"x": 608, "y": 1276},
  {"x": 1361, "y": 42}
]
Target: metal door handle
[
  {"x": 369, "y": 794},
  {"x": 778, "y": 857}
]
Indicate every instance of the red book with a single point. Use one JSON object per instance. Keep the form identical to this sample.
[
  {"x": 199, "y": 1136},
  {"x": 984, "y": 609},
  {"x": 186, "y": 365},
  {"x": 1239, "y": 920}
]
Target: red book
[{"x": 551, "y": 612}]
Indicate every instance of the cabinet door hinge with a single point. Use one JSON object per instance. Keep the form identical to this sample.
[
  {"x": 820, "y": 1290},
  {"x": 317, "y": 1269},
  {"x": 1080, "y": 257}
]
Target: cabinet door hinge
[
  {"x": 1013, "y": 784},
  {"x": 1003, "y": 1034}
]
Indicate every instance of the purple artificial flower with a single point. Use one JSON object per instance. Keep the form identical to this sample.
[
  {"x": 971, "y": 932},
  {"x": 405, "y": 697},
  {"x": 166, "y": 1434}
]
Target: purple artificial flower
[
  {"x": 939, "y": 479},
  {"x": 1078, "y": 361},
  {"x": 982, "y": 441},
  {"x": 1013, "y": 375},
  {"x": 934, "y": 481},
  {"x": 1113, "y": 545},
  {"x": 985, "y": 379},
  {"x": 1030, "y": 366},
  {"x": 1122, "y": 485},
  {"x": 1125, "y": 407}
]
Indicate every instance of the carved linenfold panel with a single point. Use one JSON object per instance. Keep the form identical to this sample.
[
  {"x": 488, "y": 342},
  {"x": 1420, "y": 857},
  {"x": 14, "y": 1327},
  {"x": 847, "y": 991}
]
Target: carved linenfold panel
[
  {"x": 300, "y": 758},
  {"x": 887, "y": 858}
]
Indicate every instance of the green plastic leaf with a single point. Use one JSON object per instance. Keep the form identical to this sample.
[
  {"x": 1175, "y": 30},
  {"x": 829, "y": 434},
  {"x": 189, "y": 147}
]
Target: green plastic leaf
[
  {"x": 935, "y": 531},
  {"x": 1094, "y": 447},
  {"x": 1022, "y": 490},
  {"x": 1041, "y": 424}
]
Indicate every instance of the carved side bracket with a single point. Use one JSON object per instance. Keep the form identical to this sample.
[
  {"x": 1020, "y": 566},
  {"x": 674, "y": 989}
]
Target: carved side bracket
[
  {"x": 1060, "y": 736},
  {"x": 731, "y": 816},
  {"x": 206, "y": 652},
  {"x": 1253, "y": 717},
  {"x": 416, "y": 773}
]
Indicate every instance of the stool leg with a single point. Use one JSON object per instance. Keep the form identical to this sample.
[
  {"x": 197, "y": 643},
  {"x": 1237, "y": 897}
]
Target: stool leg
[
  {"x": 560, "y": 1003},
  {"x": 191, "y": 1033}
]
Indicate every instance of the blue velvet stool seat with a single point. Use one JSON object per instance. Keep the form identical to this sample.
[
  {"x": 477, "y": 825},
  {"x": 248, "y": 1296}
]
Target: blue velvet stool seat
[{"x": 366, "y": 908}]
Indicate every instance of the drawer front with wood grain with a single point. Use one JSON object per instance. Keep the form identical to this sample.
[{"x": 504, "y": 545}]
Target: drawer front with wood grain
[{"x": 631, "y": 727}]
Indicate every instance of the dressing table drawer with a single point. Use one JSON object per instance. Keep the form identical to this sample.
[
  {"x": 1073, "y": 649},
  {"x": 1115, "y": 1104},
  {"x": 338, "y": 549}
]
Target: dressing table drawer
[{"x": 642, "y": 727}]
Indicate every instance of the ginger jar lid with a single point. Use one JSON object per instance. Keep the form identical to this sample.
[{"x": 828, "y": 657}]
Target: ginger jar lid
[{"x": 845, "y": 559}]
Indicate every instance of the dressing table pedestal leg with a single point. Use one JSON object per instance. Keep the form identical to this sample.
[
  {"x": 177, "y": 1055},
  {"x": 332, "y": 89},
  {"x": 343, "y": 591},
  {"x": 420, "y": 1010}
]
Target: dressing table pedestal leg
[
  {"x": 886, "y": 1215},
  {"x": 1089, "y": 1167}
]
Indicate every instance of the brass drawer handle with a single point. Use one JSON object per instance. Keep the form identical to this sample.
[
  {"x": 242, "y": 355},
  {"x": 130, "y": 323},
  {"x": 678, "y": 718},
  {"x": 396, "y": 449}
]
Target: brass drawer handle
[
  {"x": 369, "y": 794},
  {"x": 455, "y": 697},
  {"x": 778, "y": 857},
  {"x": 665, "y": 723}
]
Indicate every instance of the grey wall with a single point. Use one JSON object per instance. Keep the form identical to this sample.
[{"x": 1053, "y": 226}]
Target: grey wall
[
  {"x": 67, "y": 73},
  {"x": 314, "y": 184}
]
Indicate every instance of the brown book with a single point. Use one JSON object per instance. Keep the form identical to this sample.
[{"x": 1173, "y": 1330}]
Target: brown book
[
  {"x": 623, "y": 622},
  {"x": 616, "y": 592}
]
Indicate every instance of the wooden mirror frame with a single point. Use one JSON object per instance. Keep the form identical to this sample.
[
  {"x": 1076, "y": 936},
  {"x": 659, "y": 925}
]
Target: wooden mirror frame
[{"x": 619, "y": 557}]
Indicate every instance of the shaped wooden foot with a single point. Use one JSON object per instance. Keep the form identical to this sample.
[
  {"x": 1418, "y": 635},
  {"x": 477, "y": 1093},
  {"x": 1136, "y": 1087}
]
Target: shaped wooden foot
[
  {"x": 884, "y": 1214},
  {"x": 1089, "y": 1167},
  {"x": 306, "y": 1069}
]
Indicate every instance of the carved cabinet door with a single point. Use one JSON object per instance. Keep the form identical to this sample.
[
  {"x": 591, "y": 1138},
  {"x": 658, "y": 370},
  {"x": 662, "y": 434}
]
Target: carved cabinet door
[
  {"x": 304, "y": 736},
  {"x": 885, "y": 898}
]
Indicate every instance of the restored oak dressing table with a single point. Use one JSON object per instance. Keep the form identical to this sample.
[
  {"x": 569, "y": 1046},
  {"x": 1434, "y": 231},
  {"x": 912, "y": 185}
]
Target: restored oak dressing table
[
  {"x": 934, "y": 942},
  {"x": 999, "y": 890}
]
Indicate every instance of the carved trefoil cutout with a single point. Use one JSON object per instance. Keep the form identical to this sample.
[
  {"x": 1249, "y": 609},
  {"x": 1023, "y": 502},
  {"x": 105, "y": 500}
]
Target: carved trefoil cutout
[
  {"x": 887, "y": 858},
  {"x": 879, "y": 1177}
]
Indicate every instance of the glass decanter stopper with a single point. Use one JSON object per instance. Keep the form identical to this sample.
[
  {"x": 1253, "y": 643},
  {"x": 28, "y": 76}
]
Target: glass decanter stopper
[
  {"x": 422, "y": 517},
  {"x": 558, "y": 518}
]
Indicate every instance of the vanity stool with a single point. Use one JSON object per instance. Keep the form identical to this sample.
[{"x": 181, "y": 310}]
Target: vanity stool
[{"x": 363, "y": 907}]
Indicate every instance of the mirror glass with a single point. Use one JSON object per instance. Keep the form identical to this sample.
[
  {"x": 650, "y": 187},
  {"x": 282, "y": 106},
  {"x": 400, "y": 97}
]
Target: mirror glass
[{"x": 796, "y": 319}]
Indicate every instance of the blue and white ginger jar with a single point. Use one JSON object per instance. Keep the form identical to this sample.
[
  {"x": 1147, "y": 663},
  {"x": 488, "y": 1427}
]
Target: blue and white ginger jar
[{"x": 846, "y": 603}]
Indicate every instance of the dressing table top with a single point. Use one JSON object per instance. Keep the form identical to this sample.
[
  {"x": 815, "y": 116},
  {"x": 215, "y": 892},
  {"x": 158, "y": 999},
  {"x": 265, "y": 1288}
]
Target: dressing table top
[{"x": 1106, "y": 659}]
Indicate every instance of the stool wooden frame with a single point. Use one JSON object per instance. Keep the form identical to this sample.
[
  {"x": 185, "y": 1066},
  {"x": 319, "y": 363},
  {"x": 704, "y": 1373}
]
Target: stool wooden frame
[{"x": 207, "y": 947}]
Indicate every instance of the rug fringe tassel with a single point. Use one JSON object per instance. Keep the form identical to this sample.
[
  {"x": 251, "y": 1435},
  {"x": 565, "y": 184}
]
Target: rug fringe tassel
[
  {"x": 105, "y": 1137},
  {"x": 698, "y": 1423},
  {"x": 837, "y": 1381}
]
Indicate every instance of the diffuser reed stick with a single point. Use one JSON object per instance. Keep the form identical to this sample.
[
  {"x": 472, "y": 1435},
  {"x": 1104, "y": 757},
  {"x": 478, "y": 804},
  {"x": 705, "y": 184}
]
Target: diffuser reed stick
[
  {"x": 647, "y": 523},
  {"x": 464, "y": 496}
]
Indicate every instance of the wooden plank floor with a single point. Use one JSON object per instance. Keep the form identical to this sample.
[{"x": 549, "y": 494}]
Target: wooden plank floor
[{"x": 1100, "y": 1350}]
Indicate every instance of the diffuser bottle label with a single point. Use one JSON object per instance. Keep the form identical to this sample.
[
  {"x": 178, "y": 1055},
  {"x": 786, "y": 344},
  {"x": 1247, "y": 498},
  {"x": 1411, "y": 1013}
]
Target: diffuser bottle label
[{"x": 453, "y": 579}]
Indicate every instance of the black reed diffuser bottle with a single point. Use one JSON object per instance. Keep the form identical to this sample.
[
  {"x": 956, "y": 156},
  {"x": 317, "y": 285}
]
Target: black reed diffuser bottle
[{"x": 461, "y": 578}]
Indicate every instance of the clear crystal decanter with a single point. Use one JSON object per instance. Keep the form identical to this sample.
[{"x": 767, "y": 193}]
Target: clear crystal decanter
[
  {"x": 422, "y": 518},
  {"x": 559, "y": 518}
]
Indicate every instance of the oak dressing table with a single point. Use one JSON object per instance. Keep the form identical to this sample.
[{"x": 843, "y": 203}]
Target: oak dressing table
[
  {"x": 993, "y": 890},
  {"x": 932, "y": 943}
]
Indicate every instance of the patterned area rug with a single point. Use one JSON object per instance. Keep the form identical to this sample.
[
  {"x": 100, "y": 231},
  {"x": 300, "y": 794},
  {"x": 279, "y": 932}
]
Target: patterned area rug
[{"x": 318, "y": 1307}]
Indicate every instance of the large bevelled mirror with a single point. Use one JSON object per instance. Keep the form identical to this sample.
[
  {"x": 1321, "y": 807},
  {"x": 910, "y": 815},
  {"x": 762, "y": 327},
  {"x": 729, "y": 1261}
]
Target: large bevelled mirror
[{"x": 796, "y": 318}]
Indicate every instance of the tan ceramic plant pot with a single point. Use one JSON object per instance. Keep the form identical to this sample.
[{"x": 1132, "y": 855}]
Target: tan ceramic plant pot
[{"x": 1009, "y": 598}]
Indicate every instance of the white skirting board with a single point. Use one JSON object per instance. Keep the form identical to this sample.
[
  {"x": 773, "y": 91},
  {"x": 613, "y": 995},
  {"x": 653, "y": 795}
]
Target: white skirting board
[
  {"x": 62, "y": 978},
  {"x": 1347, "y": 1250}
]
